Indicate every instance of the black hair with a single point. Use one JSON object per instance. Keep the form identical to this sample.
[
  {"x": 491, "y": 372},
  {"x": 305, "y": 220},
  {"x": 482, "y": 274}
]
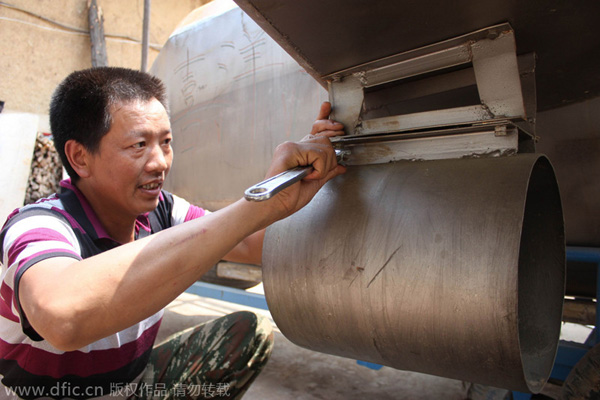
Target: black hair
[{"x": 81, "y": 104}]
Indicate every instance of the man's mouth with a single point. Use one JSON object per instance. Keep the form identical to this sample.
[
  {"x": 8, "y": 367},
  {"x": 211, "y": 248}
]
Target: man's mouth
[{"x": 151, "y": 186}]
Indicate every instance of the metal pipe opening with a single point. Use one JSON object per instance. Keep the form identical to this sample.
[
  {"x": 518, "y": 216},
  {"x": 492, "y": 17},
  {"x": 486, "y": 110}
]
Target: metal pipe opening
[{"x": 541, "y": 269}]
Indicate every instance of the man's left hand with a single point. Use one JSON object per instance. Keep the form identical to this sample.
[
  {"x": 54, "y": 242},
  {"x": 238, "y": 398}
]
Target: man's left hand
[{"x": 324, "y": 126}]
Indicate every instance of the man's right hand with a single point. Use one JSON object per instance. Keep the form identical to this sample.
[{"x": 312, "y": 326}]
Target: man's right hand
[{"x": 316, "y": 151}]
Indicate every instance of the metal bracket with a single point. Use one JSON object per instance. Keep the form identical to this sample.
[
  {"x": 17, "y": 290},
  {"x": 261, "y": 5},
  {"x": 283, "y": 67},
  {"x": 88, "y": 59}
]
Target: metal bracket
[
  {"x": 492, "y": 53},
  {"x": 496, "y": 139}
]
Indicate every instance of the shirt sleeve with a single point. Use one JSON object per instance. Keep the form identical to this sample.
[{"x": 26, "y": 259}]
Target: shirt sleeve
[
  {"x": 183, "y": 211},
  {"x": 26, "y": 240}
]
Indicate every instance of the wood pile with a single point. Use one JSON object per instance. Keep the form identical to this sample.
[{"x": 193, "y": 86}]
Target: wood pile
[{"x": 46, "y": 170}]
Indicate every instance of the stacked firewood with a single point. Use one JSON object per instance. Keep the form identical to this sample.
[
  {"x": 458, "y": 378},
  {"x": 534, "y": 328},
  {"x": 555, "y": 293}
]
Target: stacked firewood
[{"x": 46, "y": 170}]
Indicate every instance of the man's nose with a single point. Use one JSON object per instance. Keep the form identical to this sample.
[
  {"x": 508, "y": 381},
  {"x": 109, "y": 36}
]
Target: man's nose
[{"x": 158, "y": 160}]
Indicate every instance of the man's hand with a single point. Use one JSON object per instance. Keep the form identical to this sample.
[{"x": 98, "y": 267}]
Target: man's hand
[
  {"x": 315, "y": 150},
  {"x": 323, "y": 126}
]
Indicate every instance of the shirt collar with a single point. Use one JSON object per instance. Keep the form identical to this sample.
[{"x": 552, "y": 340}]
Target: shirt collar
[{"x": 77, "y": 205}]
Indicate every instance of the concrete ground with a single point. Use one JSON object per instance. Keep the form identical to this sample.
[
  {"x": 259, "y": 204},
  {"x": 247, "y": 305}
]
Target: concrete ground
[{"x": 296, "y": 373}]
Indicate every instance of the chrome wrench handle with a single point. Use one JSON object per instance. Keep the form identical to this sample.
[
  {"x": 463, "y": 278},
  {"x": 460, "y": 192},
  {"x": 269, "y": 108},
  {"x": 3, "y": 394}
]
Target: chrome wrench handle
[{"x": 271, "y": 186}]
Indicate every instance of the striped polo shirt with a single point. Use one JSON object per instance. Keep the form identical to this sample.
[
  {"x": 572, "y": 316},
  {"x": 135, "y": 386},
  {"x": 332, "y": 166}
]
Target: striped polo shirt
[{"x": 65, "y": 225}]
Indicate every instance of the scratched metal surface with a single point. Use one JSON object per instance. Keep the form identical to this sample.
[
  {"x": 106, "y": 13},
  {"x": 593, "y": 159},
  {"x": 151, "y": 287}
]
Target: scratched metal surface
[{"x": 432, "y": 266}]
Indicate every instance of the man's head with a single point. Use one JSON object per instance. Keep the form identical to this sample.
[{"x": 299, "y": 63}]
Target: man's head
[{"x": 81, "y": 106}]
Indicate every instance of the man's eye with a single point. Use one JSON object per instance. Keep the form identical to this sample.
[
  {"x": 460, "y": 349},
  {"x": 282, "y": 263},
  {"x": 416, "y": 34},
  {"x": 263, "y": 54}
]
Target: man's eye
[
  {"x": 139, "y": 145},
  {"x": 168, "y": 141}
]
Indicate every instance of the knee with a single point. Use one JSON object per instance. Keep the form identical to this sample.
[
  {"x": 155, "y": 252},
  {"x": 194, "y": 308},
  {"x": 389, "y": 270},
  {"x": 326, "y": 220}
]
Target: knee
[{"x": 252, "y": 322}]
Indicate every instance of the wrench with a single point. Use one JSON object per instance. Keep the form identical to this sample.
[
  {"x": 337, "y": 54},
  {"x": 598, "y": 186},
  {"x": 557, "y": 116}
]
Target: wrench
[{"x": 271, "y": 186}]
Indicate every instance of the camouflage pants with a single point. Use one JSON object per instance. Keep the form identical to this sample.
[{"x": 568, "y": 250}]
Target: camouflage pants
[{"x": 215, "y": 360}]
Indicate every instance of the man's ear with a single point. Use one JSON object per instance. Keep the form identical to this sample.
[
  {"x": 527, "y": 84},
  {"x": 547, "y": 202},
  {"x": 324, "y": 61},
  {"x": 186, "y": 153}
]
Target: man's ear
[{"x": 78, "y": 157}]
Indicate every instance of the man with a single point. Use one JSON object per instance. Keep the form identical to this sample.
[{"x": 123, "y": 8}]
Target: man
[{"x": 86, "y": 273}]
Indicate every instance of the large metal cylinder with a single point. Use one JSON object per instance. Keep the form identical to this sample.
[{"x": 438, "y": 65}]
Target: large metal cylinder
[{"x": 453, "y": 268}]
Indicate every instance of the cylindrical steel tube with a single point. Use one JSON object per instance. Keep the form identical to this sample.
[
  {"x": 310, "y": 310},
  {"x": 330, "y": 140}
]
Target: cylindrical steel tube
[{"x": 452, "y": 267}]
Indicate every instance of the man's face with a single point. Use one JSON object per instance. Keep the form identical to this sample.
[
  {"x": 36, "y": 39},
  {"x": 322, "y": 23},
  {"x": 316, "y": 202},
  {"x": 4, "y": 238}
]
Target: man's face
[{"x": 133, "y": 160}]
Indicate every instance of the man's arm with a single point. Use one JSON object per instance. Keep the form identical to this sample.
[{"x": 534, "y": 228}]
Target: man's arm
[{"x": 74, "y": 303}]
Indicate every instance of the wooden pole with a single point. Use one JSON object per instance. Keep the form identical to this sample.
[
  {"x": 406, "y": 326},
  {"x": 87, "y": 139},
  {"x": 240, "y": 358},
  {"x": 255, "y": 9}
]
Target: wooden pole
[{"x": 99, "y": 58}]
